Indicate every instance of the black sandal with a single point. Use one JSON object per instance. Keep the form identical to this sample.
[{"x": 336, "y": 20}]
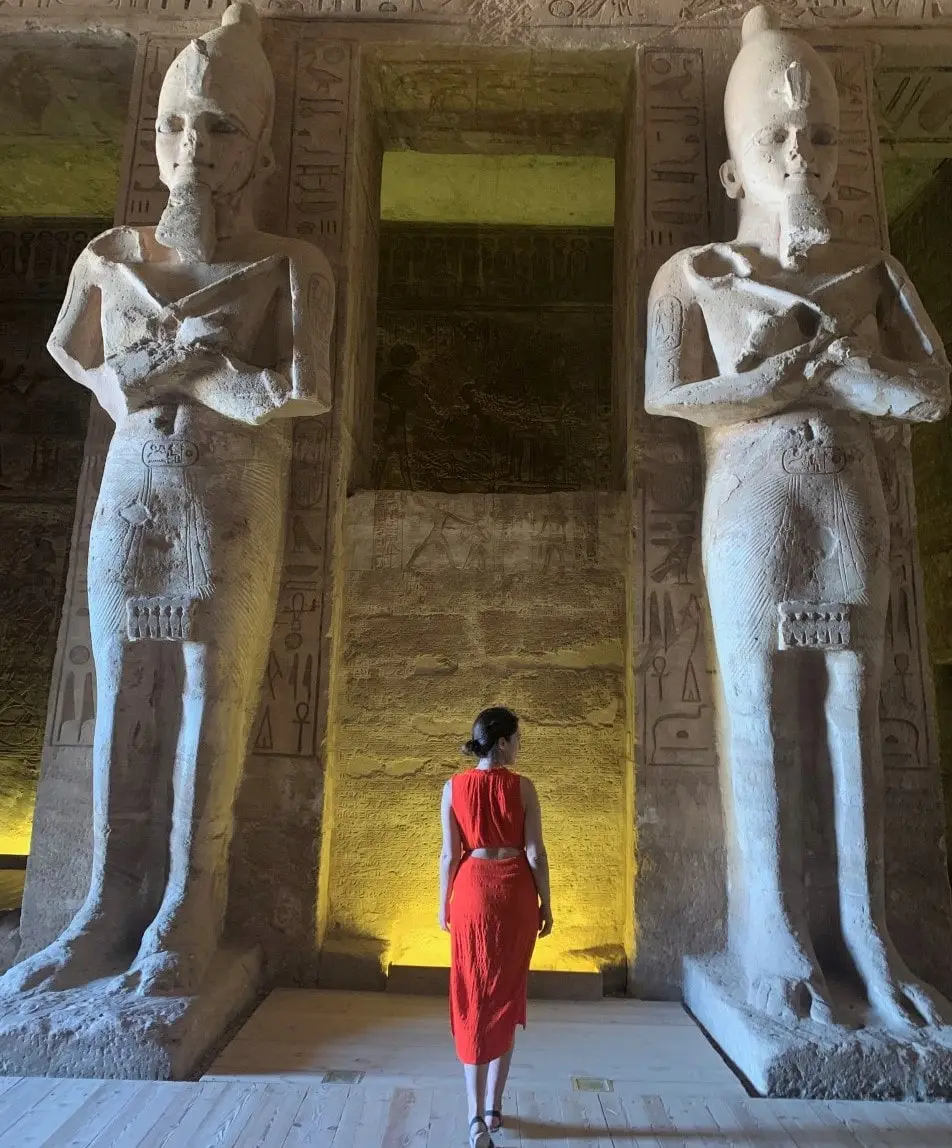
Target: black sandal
[
  {"x": 494, "y": 1120},
  {"x": 479, "y": 1139}
]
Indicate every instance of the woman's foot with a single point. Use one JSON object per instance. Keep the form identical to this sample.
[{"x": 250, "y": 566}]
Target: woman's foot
[
  {"x": 494, "y": 1119},
  {"x": 479, "y": 1134}
]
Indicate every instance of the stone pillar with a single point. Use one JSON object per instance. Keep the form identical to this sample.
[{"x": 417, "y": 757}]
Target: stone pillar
[
  {"x": 679, "y": 888},
  {"x": 322, "y": 191},
  {"x": 679, "y": 903}
]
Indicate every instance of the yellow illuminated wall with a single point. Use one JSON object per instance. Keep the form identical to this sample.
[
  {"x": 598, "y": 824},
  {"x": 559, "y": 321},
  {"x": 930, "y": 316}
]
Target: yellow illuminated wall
[
  {"x": 527, "y": 190},
  {"x": 453, "y": 603}
]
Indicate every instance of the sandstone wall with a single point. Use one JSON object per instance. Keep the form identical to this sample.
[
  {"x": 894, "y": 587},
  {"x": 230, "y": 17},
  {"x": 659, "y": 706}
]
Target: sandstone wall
[
  {"x": 42, "y": 427},
  {"x": 921, "y": 239},
  {"x": 412, "y": 74},
  {"x": 453, "y": 603}
]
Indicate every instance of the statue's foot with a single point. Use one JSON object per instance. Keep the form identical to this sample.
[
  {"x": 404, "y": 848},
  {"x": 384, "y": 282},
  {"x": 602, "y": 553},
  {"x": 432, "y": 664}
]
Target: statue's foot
[
  {"x": 160, "y": 974},
  {"x": 899, "y": 998},
  {"x": 70, "y": 961},
  {"x": 167, "y": 966},
  {"x": 791, "y": 999},
  {"x": 902, "y": 1000}
]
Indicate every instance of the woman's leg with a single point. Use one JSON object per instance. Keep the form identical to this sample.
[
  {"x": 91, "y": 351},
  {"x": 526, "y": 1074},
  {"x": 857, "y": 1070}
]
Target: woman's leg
[
  {"x": 475, "y": 1089},
  {"x": 496, "y": 1076}
]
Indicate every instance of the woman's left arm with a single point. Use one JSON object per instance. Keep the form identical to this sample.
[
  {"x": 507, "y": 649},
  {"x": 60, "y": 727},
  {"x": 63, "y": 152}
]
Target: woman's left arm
[{"x": 450, "y": 854}]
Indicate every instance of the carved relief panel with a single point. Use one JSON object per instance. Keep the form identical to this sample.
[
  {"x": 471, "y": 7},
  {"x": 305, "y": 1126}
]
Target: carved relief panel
[
  {"x": 43, "y": 423},
  {"x": 493, "y": 359},
  {"x": 672, "y": 658}
]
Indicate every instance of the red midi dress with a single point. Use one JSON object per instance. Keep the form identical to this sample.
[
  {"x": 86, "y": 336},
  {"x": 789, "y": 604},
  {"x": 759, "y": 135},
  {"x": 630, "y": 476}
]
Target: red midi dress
[{"x": 494, "y": 917}]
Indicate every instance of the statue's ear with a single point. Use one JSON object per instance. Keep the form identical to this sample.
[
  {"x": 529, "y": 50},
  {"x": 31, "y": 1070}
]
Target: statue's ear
[
  {"x": 730, "y": 180},
  {"x": 266, "y": 163}
]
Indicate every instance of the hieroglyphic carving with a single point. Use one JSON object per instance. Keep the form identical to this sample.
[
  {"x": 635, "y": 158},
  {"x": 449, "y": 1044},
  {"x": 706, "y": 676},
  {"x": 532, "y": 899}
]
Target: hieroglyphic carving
[
  {"x": 676, "y": 198},
  {"x": 493, "y": 265},
  {"x": 286, "y": 724},
  {"x": 42, "y": 426},
  {"x": 73, "y": 703},
  {"x": 542, "y": 534},
  {"x": 903, "y": 708},
  {"x": 36, "y": 255},
  {"x": 287, "y": 720},
  {"x": 145, "y": 194},
  {"x": 915, "y": 104},
  {"x": 674, "y": 682},
  {"x": 319, "y": 143},
  {"x": 499, "y": 21},
  {"x": 819, "y": 13},
  {"x": 857, "y": 213},
  {"x": 453, "y": 415}
]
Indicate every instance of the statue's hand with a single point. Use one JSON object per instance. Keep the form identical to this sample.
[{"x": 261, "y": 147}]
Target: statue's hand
[
  {"x": 842, "y": 351},
  {"x": 202, "y": 333},
  {"x": 136, "y": 374},
  {"x": 816, "y": 364}
]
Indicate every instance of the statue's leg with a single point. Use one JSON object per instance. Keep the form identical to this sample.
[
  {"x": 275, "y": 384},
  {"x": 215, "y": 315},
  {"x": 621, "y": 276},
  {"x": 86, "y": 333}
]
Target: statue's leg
[
  {"x": 218, "y": 703},
  {"x": 852, "y": 719},
  {"x": 125, "y": 751},
  {"x": 769, "y": 931}
]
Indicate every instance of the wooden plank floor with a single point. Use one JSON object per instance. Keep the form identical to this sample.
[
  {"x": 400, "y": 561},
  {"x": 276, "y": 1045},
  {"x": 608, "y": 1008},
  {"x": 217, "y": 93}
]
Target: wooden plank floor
[
  {"x": 267, "y": 1090},
  {"x": 299, "y": 1036},
  {"x": 41, "y": 1113}
]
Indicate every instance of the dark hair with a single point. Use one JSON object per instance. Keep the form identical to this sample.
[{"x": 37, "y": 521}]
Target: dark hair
[{"x": 488, "y": 729}]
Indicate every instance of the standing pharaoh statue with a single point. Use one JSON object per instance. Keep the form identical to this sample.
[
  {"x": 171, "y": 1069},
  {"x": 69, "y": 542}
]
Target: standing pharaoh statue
[
  {"x": 202, "y": 338},
  {"x": 793, "y": 351}
]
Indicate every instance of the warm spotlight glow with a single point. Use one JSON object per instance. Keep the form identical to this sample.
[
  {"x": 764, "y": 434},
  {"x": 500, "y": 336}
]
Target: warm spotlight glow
[
  {"x": 551, "y": 649},
  {"x": 16, "y": 824}
]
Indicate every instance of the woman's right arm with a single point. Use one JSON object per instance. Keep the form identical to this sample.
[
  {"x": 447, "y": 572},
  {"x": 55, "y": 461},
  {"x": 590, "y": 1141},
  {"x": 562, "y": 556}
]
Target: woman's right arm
[
  {"x": 450, "y": 854},
  {"x": 536, "y": 854}
]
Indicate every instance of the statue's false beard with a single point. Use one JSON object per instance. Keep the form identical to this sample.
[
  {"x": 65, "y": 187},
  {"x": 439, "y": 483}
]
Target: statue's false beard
[
  {"x": 188, "y": 223},
  {"x": 803, "y": 224}
]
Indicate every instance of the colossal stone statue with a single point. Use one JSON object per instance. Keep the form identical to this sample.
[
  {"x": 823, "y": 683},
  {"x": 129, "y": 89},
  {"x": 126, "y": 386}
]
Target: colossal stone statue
[
  {"x": 202, "y": 338},
  {"x": 793, "y": 351}
]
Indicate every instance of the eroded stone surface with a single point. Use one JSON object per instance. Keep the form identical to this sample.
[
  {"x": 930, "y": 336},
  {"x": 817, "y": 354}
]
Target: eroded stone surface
[
  {"x": 103, "y": 1031},
  {"x": 849, "y": 1061},
  {"x": 453, "y": 602}
]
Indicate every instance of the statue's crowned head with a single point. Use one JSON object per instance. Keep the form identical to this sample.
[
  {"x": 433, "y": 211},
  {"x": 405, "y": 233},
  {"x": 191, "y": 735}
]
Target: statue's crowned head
[
  {"x": 216, "y": 108},
  {"x": 782, "y": 115}
]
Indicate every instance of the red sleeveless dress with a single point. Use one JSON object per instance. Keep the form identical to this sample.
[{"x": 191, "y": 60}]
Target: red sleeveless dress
[{"x": 494, "y": 917}]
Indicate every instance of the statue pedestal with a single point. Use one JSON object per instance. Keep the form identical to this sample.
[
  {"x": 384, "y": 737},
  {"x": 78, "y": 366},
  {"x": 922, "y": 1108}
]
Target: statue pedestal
[
  {"x": 813, "y": 1061},
  {"x": 103, "y": 1031}
]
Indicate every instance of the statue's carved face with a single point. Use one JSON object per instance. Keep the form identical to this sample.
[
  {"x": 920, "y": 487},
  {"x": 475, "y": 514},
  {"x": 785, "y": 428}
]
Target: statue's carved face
[
  {"x": 198, "y": 142},
  {"x": 789, "y": 153}
]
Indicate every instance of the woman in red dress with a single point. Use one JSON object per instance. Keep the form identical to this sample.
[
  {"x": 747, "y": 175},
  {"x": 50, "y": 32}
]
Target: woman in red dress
[{"x": 494, "y": 902}]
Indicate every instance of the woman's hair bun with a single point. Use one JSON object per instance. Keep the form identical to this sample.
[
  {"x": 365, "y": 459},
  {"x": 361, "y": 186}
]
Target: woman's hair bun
[{"x": 489, "y": 727}]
